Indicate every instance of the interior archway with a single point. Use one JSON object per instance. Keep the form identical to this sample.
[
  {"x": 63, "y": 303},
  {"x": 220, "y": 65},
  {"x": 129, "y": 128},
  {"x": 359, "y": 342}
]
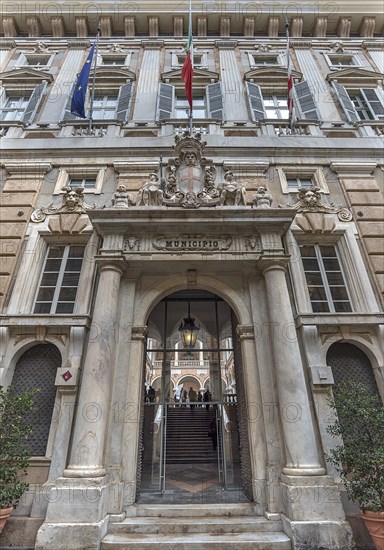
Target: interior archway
[{"x": 191, "y": 430}]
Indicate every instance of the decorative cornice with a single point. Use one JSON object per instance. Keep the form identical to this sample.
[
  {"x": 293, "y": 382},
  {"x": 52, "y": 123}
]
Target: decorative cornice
[
  {"x": 7, "y": 45},
  {"x": 300, "y": 45},
  {"x": 79, "y": 44},
  {"x": 379, "y": 45},
  {"x": 226, "y": 44},
  {"x": 152, "y": 44},
  {"x": 353, "y": 169},
  {"x": 26, "y": 168}
]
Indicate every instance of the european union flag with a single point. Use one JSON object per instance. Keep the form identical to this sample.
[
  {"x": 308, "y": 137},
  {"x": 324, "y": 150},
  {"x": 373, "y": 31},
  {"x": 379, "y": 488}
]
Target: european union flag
[{"x": 78, "y": 98}]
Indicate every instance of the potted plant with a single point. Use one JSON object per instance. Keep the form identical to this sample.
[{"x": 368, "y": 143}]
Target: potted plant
[
  {"x": 360, "y": 460},
  {"x": 14, "y": 429}
]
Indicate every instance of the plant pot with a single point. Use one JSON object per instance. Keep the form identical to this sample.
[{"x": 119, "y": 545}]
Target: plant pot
[
  {"x": 375, "y": 525},
  {"x": 4, "y": 515}
]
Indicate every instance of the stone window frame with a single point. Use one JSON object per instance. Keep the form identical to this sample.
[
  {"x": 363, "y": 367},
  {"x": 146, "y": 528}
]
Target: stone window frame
[
  {"x": 124, "y": 56},
  {"x": 330, "y": 301},
  {"x": 199, "y": 59},
  {"x": 58, "y": 286},
  {"x": 22, "y": 60},
  {"x": 254, "y": 56},
  {"x": 80, "y": 172},
  {"x": 330, "y": 57},
  {"x": 315, "y": 173}
]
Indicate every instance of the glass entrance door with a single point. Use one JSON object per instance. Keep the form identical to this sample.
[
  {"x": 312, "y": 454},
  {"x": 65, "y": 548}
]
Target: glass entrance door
[{"x": 190, "y": 444}]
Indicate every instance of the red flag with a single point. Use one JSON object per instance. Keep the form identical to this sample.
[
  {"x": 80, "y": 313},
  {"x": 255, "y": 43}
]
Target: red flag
[
  {"x": 187, "y": 75},
  {"x": 187, "y": 70}
]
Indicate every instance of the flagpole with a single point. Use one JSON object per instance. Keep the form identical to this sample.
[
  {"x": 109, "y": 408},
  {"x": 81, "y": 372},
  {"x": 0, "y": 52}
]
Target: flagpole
[
  {"x": 90, "y": 124},
  {"x": 190, "y": 34},
  {"x": 290, "y": 81}
]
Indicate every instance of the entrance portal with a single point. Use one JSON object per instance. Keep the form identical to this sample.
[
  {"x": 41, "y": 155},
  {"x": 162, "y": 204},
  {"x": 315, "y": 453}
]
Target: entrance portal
[{"x": 190, "y": 435}]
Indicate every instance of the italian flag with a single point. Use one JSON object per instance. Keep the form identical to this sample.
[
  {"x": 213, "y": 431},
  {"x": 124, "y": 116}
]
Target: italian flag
[{"x": 187, "y": 70}]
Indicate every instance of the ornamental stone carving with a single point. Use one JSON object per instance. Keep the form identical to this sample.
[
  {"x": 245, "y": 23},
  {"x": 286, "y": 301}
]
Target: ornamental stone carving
[
  {"x": 262, "y": 199},
  {"x": 190, "y": 180},
  {"x": 310, "y": 201},
  {"x": 231, "y": 192},
  {"x": 72, "y": 203},
  {"x": 121, "y": 198},
  {"x": 151, "y": 193}
]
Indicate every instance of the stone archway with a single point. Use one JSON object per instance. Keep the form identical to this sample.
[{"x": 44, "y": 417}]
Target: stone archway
[{"x": 217, "y": 324}]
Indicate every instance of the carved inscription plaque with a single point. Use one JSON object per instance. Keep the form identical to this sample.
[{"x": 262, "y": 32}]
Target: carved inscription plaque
[{"x": 187, "y": 242}]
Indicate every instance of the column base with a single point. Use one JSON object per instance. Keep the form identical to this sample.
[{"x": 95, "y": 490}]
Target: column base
[
  {"x": 76, "y": 515},
  {"x": 312, "y": 535},
  {"x": 304, "y": 471},
  {"x": 71, "y": 536},
  {"x": 82, "y": 471},
  {"x": 307, "y": 498}
]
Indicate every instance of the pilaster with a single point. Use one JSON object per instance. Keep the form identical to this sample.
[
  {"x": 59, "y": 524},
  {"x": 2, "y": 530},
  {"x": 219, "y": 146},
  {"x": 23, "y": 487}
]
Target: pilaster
[{"x": 366, "y": 201}]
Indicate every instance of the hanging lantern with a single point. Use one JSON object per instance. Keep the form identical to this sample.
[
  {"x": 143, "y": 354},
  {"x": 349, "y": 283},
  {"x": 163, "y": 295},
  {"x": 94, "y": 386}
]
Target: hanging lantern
[{"x": 188, "y": 331}]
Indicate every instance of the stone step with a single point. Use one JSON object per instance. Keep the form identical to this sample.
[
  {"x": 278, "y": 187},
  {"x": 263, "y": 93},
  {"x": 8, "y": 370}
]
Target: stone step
[
  {"x": 218, "y": 525},
  {"x": 240, "y": 509},
  {"x": 230, "y": 541}
]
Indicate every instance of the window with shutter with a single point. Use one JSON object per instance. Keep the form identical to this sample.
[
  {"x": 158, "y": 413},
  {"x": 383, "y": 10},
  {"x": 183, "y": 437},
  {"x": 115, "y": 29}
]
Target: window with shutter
[
  {"x": 305, "y": 101},
  {"x": 346, "y": 103},
  {"x": 215, "y": 101},
  {"x": 33, "y": 103},
  {"x": 123, "y": 102},
  {"x": 255, "y": 101},
  {"x": 374, "y": 102},
  {"x": 165, "y": 101}
]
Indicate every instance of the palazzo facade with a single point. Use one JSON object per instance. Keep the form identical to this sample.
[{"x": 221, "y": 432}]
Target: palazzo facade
[{"x": 269, "y": 238}]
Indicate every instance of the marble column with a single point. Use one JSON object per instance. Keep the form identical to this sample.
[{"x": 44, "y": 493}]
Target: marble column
[
  {"x": 92, "y": 413},
  {"x": 302, "y": 457}
]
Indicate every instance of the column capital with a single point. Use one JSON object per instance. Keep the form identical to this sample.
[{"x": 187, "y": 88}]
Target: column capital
[
  {"x": 274, "y": 264},
  {"x": 112, "y": 262},
  {"x": 139, "y": 333},
  {"x": 246, "y": 332}
]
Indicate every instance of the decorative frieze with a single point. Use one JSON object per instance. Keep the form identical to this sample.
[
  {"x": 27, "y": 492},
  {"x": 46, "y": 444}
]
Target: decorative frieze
[
  {"x": 273, "y": 27},
  {"x": 106, "y": 26},
  {"x": 320, "y": 27},
  {"x": 177, "y": 25},
  {"x": 10, "y": 27},
  {"x": 58, "y": 27},
  {"x": 201, "y": 26},
  {"x": 249, "y": 27},
  {"x": 367, "y": 27},
  {"x": 344, "y": 27},
  {"x": 195, "y": 243},
  {"x": 81, "y": 26},
  {"x": 129, "y": 27},
  {"x": 34, "y": 26}
]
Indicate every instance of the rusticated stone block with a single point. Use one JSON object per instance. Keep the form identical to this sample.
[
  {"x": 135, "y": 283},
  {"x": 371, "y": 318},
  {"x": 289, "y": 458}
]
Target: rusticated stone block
[
  {"x": 374, "y": 245},
  {"x": 377, "y": 262},
  {"x": 11, "y": 229},
  {"x": 371, "y": 229},
  {"x": 366, "y": 197},
  {"x": 17, "y": 199},
  {"x": 8, "y": 213},
  {"x": 357, "y": 184}
]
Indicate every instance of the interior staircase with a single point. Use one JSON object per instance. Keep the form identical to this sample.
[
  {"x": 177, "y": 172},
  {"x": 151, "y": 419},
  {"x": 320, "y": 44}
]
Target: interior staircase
[
  {"x": 192, "y": 527},
  {"x": 187, "y": 436}
]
